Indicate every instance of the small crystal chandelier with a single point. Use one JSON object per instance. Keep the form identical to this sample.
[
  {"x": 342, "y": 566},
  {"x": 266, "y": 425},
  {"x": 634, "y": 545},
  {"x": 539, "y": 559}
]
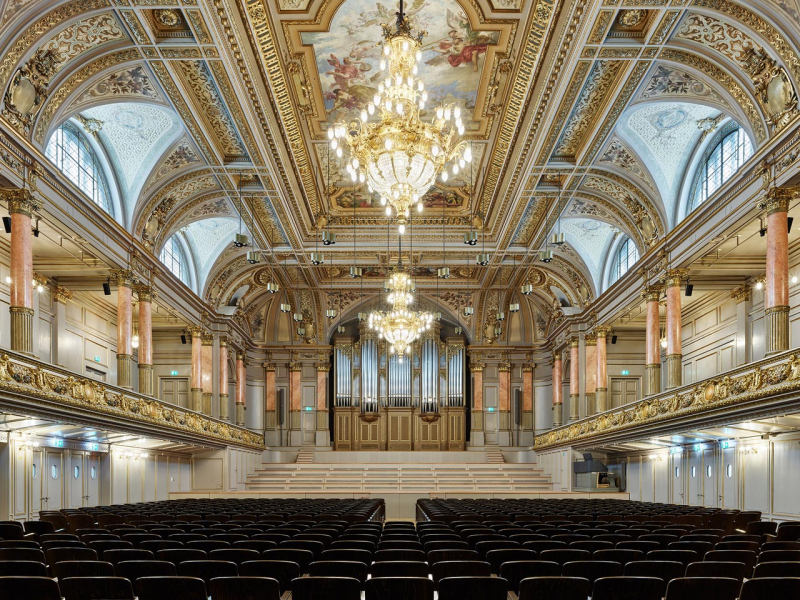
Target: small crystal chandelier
[{"x": 398, "y": 155}]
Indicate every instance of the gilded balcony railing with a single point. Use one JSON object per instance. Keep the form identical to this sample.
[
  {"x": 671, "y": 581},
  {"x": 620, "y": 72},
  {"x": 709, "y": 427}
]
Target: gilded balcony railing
[
  {"x": 758, "y": 388},
  {"x": 34, "y": 387}
]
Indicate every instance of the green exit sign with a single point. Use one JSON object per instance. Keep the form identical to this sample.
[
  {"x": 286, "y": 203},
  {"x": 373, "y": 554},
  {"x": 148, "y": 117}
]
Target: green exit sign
[
  {"x": 97, "y": 359},
  {"x": 626, "y": 372},
  {"x": 490, "y": 409},
  {"x": 173, "y": 372},
  {"x": 309, "y": 408}
]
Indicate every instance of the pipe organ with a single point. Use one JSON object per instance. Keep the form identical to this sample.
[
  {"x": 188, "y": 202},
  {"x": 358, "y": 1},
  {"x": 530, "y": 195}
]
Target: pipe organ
[{"x": 389, "y": 402}]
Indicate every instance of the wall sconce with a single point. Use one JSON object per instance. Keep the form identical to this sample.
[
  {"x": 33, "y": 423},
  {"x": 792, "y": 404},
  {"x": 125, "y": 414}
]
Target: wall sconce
[{"x": 760, "y": 281}]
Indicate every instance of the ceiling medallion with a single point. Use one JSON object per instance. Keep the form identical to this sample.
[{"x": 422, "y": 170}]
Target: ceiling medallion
[
  {"x": 631, "y": 18},
  {"x": 398, "y": 155},
  {"x": 400, "y": 326},
  {"x": 168, "y": 17}
]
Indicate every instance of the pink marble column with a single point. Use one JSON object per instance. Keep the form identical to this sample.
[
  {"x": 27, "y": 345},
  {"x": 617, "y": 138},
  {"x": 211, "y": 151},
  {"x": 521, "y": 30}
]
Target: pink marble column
[
  {"x": 590, "y": 376},
  {"x": 322, "y": 396},
  {"x": 241, "y": 381},
  {"x": 477, "y": 398},
  {"x": 776, "y": 294},
  {"x": 207, "y": 372},
  {"x": 197, "y": 369},
  {"x": 125, "y": 280},
  {"x": 527, "y": 397},
  {"x": 652, "y": 295},
  {"x": 224, "y": 405},
  {"x": 21, "y": 205},
  {"x": 602, "y": 376},
  {"x": 504, "y": 401},
  {"x": 574, "y": 377},
  {"x": 675, "y": 278},
  {"x": 271, "y": 392},
  {"x": 295, "y": 404},
  {"x": 145, "y": 295},
  {"x": 558, "y": 390}
]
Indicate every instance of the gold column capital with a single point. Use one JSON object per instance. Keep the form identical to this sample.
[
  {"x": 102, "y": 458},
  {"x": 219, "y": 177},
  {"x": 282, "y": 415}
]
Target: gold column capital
[
  {"x": 223, "y": 341},
  {"x": 574, "y": 341},
  {"x": 323, "y": 367},
  {"x": 601, "y": 331},
  {"x": 20, "y": 201},
  {"x": 778, "y": 199},
  {"x": 652, "y": 293},
  {"x": 269, "y": 367},
  {"x": 477, "y": 367},
  {"x": 207, "y": 339},
  {"x": 505, "y": 367},
  {"x": 294, "y": 366},
  {"x": 741, "y": 293},
  {"x": 61, "y": 294},
  {"x": 590, "y": 339},
  {"x": 676, "y": 277},
  {"x": 145, "y": 293},
  {"x": 196, "y": 331},
  {"x": 528, "y": 368},
  {"x": 124, "y": 277}
]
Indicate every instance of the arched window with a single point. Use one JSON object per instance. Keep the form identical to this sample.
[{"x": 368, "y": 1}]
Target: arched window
[
  {"x": 69, "y": 150},
  {"x": 624, "y": 257},
  {"x": 725, "y": 155},
  {"x": 173, "y": 257}
]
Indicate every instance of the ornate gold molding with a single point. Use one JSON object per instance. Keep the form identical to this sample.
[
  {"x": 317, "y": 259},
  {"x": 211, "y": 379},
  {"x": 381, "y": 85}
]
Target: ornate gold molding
[
  {"x": 124, "y": 277},
  {"x": 61, "y": 294},
  {"x": 741, "y": 293},
  {"x": 20, "y": 201},
  {"x": 675, "y": 277},
  {"x": 749, "y": 385},
  {"x": 652, "y": 293},
  {"x": 207, "y": 339},
  {"x": 778, "y": 199},
  {"x": 590, "y": 339},
  {"x": 54, "y": 387}
]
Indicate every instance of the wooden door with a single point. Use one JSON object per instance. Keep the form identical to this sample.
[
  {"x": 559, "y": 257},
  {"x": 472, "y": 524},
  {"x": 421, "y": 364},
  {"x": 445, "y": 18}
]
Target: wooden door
[
  {"x": 73, "y": 480},
  {"x": 35, "y": 477},
  {"x": 175, "y": 390},
  {"x": 53, "y": 481},
  {"x": 694, "y": 478},
  {"x": 91, "y": 478},
  {"x": 624, "y": 390},
  {"x": 677, "y": 478}
]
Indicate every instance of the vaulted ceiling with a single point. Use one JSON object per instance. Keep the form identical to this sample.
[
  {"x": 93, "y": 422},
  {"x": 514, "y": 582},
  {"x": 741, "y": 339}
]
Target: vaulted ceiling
[{"x": 594, "y": 110}]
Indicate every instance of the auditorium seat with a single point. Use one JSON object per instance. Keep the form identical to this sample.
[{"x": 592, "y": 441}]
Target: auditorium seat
[
  {"x": 244, "y": 588},
  {"x": 771, "y": 588},
  {"x": 460, "y": 568},
  {"x": 399, "y": 568},
  {"x": 82, "y": 568},
  {"x": 662, "y": 569},
  {"x": 554, "y": 588},
  {"x": 703, "y": 588},
  {"x": 515, "y": 572},
  {"x": 331, "y": 568},
  {"x": 778, "y": 556},
  {"x": 563, "y": 555},
  {"x": 681, "y": 556},
  {"x": 777, "y": 569},
  {"x": 628, "y": 588},
  {"x": 302, "y": 557},
  {"x": 96, "y": 588},
  {"x": 328, "y": 588},
  {"x": 742, "y": 556},
  {"x": 282, "y": 571},
  {"x": 736, "y": 570},
  {"x": 398, "y": 588},
  {"x": 170, "y": 588},
  {"x": 500, "y": 556},
  {"x": 472, "y": 588},
  {"x": 29, "y": 568},
  {"x": 25, "y": 587},
  {"x": 178, "y": 555},
  {"x": 134, "y": 569}
]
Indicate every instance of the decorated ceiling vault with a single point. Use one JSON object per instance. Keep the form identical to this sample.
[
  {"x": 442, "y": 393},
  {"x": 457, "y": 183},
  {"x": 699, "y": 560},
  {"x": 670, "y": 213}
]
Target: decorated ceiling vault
[{"x": 585, "y": 117}]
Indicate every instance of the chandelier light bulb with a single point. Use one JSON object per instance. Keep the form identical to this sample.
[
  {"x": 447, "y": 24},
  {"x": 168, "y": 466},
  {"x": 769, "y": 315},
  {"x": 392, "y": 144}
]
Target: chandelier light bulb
[
  {"x": 383, "y": 65},
  {"x": 446, "y": 114},
  {"x": 468, "y": 154},
  {"x": 663, "y": 342},
  {"x": 439, "y": 113},
  {"x": 330, "y": 134},
  {"x": 371, "y": 108},
  {"x": 444, "y": 175},
  {"x": 435, "y": 150},
  {"x": 334, "y": 145},
  {"x": 419, "y": 209},
  {"x": 457, "y": 112},
  {"x": 415, "y": 70},
  {"x": 461, "y": 130},
  {"x": 461, "y": 163},
  {"x": 401, "y": 228},
  {"x": 418, "y": 56},
  {"x": 388, "y": 211},
  {"x": 388, "y": 142},
  {"x": 405, "y": 46},
  {"x": 353, "y": 176},
  {"x": 387, "y": 50},
  {"x": 362, "y": 178},
  {"x": 407, "y": 213},
  {"x": 455, "y": 169},
  {"x": 364, "y": 116},
  {"x": 399, "y": 109},
  {"x": 339, "y": 152},
  {"x": 383, "y": 200}
]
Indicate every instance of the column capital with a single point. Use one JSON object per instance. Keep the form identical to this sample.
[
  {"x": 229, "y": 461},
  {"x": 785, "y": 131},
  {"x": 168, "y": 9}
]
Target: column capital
[
  {"x": 223, "y": 341},
  {"x": 477, "y": 367},
  {"x": 207, "y": 339},
  {"x": 269, "y": 366},
  {"x": 602, "y": 331},
  {"x": 505, "y": 367},
  {"x": 20, "y": 201},
  {"x": 778, "y": 199},
  {"x": 555, "y": 356},
  {"x": 675, "y": 277},
  {"x": 61, "y": 294},
  {"x": 528, "y": 368},
  {"x": 574, "y": 341},
  {"x": 124, "y": 277},
  {"x": 145, "y": 293},
  {"x": 294, "y": 366},
  {"x": 590, "y": 339},
  {"x": 241, "y": 355},
  {"x": 652, "y": 293},
  {"x": 741, "y": 293},
  {"x": 323, "y": 367},
  {"x": 196, "y": 331}
]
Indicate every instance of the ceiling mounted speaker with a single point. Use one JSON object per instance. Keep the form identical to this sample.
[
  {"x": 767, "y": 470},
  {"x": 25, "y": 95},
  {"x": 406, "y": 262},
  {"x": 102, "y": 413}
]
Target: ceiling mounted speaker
[
  {"x": 437, "y": 316},
  {"x": 362, "y": 316},
  {"x": 254, "y": 258},
  {"x": 513, "y": 307},
  {"x": 689, "y": 289},
  {"x": 106, "y": 288},
  {"x": 483, "y": 259},
  {"x": 356, "y": 272},
  {"x": 328, "y": 238},
  {"x": 471, "y": 238},
  {"x": 271, "y": 287},
  {"x": 285, "y": 308},
  {"x": 458, "y": 330},
  {"x": 468, "y": 311},
  {"x": 500, "y": 316},
  {"x": 546, "y": 256},
  {"x": 331, "y": 313},
  {"x": 240, "y": 240},
  {"x": 297, "y": 317},
  {"x": 557, "y": 239},
  {"x": 443, "y": 272},
  {"x": 301, "y": 331},
  {"x": 317, "y": 258},
  {"x": 340, "y": 329},
  {"x": 526, "y": 289}
]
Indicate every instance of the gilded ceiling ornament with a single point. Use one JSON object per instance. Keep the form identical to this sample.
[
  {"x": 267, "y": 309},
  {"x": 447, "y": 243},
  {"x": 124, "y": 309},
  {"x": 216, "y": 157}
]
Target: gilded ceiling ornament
[
  {"x": 28, "y": 90},
  {"x": 168, "y": 17},
  {"x": 631, "y": 18}
]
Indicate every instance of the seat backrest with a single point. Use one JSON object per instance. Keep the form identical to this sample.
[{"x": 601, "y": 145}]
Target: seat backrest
[
  {"x": 399, "y": 568},
  {"x": 779, "y": 555},
  {"x": 281, "y": 570},
  {"x": 736, "y": 570},
  {"x": 31, "y": 568},
  {"x": 562, "y": 555},
  {"x": 208, "y": 569},
  {"x": 681, "y": 556},
  {"x": 627, "y": 588},
  {"x": 236, "y": 555},
  {"x": 516, "y": 571},
  {"x": 459, "y": 568},
  {"x": 31, "y": 554},
  {"x": 96, "y": 588},
  {"x": 497, "y": 557},
  {"x": 542, "y": 545},
  {"x": 662, "y": 569},
  {"x": 339, "y": 568},
  {"x": 741, "y": 545},
  {"x": 390, "y": 555},
  {"x": 560, "y": 588},
  {"x": 473, "y": 587},
  {"x": 703, "y": 588},
  {"x": 777, "y": 569},
  {"x": 170, "y": 588},
  {"x": 134, "y": 569},
  {"x": 40, "y": 588},
  {"x": 591, "y": 569},
  {"x": 244, "y": 588},
  {"x": 302, "y": 557},
  {"x": 398, "y": 588},
  {"x": 620, "y": 555},
  {"x": 178, "y": 555},
  {"x": 54, "y": 555},
  {"x": 316, "y": 588},
  {"x": 83, "y": 568},
  {"x": 743, "y": 556},
  {"x": 770, "y": 588}
]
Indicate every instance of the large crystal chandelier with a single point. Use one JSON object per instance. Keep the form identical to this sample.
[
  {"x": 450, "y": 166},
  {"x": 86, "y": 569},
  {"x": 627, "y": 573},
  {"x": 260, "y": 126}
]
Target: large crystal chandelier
[
  {"x": 400, "y": 325},
  {"x": 398, "y": 154}
]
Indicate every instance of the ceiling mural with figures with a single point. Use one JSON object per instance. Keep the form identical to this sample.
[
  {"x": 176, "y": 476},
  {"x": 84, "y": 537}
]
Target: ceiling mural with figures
[{"x": 585, "y": 117}]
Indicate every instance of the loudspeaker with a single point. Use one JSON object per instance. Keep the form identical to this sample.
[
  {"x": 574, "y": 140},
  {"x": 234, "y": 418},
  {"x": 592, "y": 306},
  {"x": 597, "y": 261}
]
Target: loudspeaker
[
  {"x": 517, "y": 406},
  {"x": 7, "y": 224},
  {"x": 689, "y": 289},
  {"x": 614, "y": 339},
  {"x": 281, "y": 401},
  {"x": 107, "y": 288},
  {"x": 183, "y": 338},
  {"x": 789, "y": 222}
]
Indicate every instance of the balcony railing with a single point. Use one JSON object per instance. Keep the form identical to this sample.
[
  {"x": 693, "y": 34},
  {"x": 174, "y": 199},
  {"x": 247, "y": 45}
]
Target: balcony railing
[
  {"x": 758, "y": 389},
  {"x": 31, "y": 387}
]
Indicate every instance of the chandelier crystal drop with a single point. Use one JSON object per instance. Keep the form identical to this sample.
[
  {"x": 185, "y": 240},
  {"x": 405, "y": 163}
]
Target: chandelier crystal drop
[{"x": 392, "y": 149}]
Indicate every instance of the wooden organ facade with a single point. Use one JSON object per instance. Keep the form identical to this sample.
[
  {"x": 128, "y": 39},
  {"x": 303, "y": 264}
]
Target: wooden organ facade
[{"x": 386, "y": 402}]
